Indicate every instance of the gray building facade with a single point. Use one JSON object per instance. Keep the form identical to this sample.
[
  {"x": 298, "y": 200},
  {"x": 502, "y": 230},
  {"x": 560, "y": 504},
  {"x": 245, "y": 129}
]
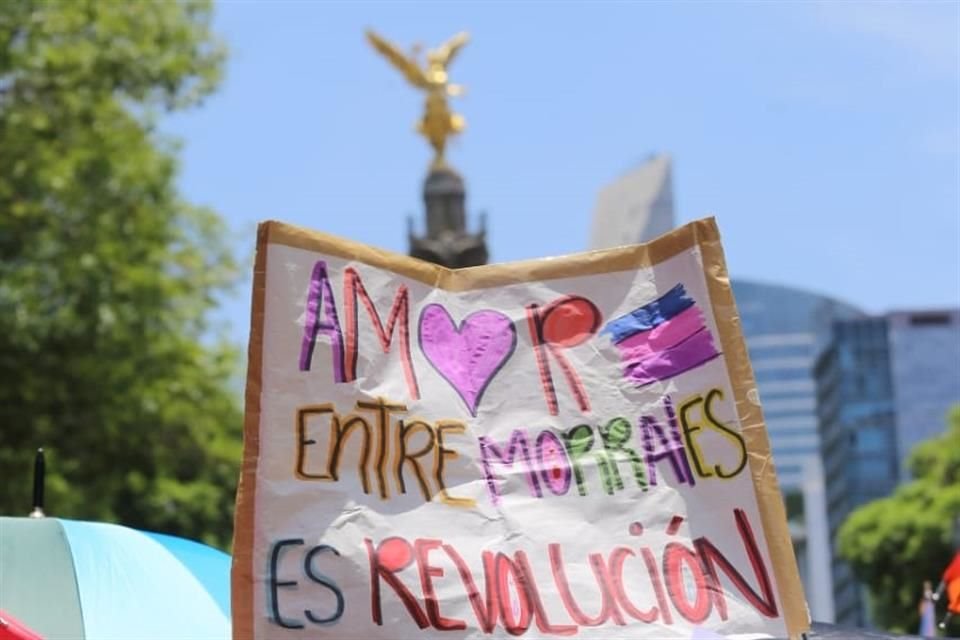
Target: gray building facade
[{"x": 636, "y": 207}]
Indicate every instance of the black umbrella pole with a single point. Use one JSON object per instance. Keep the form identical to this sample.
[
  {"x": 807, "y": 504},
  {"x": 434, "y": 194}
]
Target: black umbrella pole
[{"x": 39, "y": 471}]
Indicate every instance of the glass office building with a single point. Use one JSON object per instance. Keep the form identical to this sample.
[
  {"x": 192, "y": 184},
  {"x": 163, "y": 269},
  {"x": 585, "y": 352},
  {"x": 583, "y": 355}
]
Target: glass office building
[
  {"x": 883, "y": 385},
  {"x": 858, "y": 438},
  {"x": 925, "y": 371}
]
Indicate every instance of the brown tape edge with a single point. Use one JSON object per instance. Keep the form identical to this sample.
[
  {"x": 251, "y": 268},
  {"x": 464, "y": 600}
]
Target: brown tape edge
[
  {"x": 769, "y": 499},
  {"x": 241, "y": 572},
  {"x": 495, "y": 275}
]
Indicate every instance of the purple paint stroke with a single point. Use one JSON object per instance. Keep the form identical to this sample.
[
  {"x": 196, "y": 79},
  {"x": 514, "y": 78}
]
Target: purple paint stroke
[
  {"x": 648, "y": 427},
  {"x": 518, "y": 443},
  {"x": 650, "y": 315},
  {"x": 469, "y": 356},
  {"x": 677, "y": 438},
  {"x": 693, "y": 352},
  {"x": 663, "y": 336},
  {"x": 321, "y": 293}
]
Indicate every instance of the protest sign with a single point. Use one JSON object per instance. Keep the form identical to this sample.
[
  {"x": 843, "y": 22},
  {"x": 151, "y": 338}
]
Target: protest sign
[{"x": 561, "y": 447}]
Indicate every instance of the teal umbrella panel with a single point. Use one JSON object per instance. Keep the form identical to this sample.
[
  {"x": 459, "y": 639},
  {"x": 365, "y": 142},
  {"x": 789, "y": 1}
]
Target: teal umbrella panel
[{"x": 74, "y": 580}]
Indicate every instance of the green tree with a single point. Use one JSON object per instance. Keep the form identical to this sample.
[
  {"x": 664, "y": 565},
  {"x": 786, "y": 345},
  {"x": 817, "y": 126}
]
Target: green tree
[
  {"x": 107, "y": 275},
  {"x": 896, "y": 543}
]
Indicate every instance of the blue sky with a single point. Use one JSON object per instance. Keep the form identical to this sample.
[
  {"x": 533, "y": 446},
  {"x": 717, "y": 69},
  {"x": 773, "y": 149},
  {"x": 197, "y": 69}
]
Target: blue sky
[{"x": 825, "y": 137}]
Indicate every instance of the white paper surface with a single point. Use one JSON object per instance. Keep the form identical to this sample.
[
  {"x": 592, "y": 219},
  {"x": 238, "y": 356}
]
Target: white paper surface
[{"x": 317, "y": 542}]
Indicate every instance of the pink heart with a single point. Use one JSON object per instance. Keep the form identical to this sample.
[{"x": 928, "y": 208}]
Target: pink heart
[{"x": 468, "y": 356}]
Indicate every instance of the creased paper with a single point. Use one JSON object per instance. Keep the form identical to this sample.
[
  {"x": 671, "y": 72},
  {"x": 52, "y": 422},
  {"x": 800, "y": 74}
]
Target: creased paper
[{"x": 563, "y": 447}]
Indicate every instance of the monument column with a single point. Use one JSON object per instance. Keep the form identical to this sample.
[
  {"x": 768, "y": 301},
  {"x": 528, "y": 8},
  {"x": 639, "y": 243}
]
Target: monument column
[{"x": 447, "y": 241}]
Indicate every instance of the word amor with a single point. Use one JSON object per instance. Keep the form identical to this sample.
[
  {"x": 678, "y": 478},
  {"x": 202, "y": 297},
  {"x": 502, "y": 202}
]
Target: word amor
[{"x": 486, "y": 339}]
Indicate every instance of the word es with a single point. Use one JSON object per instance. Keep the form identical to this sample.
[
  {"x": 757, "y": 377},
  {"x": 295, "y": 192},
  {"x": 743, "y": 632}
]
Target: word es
[{"x": 275, "y": 584}]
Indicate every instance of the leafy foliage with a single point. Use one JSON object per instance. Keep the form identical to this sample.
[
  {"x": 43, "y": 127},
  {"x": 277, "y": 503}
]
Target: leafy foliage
[
  {"x": 107, "y": 275},
  {"x": 894, "y": 544}
]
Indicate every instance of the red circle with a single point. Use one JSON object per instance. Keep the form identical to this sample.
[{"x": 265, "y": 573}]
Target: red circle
[
  {"x": 550, "y": 458},
  {"x": 394, "y": 554},
  {"x": 570, "y": 322}
]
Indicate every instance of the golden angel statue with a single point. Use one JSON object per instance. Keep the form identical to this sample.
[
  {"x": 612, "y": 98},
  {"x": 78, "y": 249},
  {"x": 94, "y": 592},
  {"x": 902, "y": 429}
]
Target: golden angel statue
[{"x": 438, "y": 122}]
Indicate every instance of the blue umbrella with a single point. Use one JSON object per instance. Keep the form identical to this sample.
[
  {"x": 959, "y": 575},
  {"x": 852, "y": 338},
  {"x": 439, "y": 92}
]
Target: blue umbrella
[{"x": 94, "y": 581}]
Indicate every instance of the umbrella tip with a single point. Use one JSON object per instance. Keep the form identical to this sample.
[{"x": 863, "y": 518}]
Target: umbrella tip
[{"x": 39, "y": 477}]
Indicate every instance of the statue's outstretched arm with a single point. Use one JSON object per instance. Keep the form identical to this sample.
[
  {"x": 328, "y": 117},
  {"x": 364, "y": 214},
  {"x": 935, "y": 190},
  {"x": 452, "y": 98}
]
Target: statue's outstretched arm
[
  {"x": 448, "y": 51},
  {"x": 413, "y": 73}
]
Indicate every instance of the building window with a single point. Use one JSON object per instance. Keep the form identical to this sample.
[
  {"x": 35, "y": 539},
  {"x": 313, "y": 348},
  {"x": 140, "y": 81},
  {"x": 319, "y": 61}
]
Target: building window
[{"x": 930, "y": 319}]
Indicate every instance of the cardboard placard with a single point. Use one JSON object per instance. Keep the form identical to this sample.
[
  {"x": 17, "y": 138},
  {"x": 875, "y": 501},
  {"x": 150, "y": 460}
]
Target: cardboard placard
[{"x": 561, "y": 447}]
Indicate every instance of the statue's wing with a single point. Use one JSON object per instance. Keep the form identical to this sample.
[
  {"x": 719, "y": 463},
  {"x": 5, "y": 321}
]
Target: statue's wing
[
  {"x": 448, "y": 51},
  {"x": 408, "y": 66}
]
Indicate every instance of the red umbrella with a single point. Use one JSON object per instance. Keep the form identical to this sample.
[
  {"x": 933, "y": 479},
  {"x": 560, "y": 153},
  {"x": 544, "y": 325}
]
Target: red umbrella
[{"x": 12, "y": 629}]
